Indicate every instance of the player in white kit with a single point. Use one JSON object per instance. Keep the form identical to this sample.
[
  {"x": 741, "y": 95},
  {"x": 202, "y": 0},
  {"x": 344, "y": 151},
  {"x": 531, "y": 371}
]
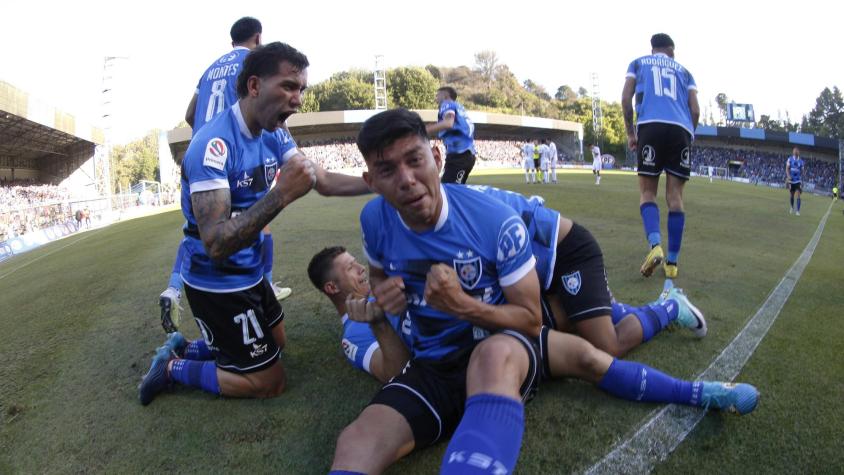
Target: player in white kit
[
  {"x": 596, "y": 163},
  {"x": 530, "y": 169}
]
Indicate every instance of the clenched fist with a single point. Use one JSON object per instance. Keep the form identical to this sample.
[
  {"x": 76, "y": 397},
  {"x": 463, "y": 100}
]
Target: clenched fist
[
  {"x": 363, "y": 310},
  {"x": 443, "y": 291},
  {"x": 296, "y": 178},
  {"x": 389, "y": 295}
]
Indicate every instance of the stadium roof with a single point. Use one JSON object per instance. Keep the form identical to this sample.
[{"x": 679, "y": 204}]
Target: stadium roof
[
  {"x": 32, "y": 132},
  {"x": 335, "y": 124}
]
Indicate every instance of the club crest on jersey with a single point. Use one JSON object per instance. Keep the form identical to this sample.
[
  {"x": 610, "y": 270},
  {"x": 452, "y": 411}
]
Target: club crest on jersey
[
  {"x": 648, "y": 155},
  {"x": 684, "y": 158},
  {"x": 512, "y": 239},
  {"x": 270, "y": 169},
  {"x": 469, "y": 270},
  {"x": 571, "y": 282},
  {"x": 216, "y": 154}
]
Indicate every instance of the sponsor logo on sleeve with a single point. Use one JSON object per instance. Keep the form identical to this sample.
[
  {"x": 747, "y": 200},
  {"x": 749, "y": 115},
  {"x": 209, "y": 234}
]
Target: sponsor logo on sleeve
[{"x": 216, "y": 154}]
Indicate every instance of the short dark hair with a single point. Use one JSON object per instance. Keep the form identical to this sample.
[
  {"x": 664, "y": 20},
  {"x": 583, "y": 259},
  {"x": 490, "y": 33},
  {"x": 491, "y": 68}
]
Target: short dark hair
[
  {"x": 264, "y": 61},
  {"x": 661, "y": 40},
  {"x": 319, "y": 269},
  {"x": 384, "y": 128},
  {"x": 244, "y": 29},
  {"x": 452, "y": 93}
]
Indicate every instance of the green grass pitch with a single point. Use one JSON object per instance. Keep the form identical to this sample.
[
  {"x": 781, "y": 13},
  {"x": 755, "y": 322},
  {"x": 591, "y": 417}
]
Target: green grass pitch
[{"x": 79, "y": 323}]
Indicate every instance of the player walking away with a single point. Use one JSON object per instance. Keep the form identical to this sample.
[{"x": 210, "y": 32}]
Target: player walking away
[
  {"x": 339, "y": 276},
  {"x": 543, "y": 159},
  {"x": 426, "y": 242},
  {"x": 667, "y": 113},
  {"x": 457, "y": 132},
  {"x": 530, "y": 169},
  {"x": 597, "y": 163},
  {"x": 794, "y": 167},
  {"x": 240, "y": 319},
  {"x": 834, "y": 193},
  {"x": 216, "y": 92}
]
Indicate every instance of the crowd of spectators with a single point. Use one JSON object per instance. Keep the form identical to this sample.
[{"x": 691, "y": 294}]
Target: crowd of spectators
[
  {"x": 336, "y": 155},
  {"x": 762, "y": 167}
]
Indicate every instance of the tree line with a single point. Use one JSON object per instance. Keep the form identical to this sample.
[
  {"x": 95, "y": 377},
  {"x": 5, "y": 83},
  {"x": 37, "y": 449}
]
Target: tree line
[{"x": 488, "y": 85}]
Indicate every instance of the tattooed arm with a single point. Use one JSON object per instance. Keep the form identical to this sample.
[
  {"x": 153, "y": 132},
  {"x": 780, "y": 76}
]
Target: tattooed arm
[{"x": 222, "y": 234}]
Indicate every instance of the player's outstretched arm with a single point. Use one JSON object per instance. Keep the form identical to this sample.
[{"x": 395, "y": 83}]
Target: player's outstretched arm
[
  {"x": 521, "y": 312},
  {"x": 223, "y": 234},
  {"x": 337, "y": 184},
  {"x": 627, "y": 109},
  {"x": 445, "y": 124}
]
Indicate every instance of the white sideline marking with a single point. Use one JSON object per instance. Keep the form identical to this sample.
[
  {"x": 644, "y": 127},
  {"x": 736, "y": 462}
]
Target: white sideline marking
[
  {"x": 669, "y": 426},
  {"x": 86, "y": 236}
]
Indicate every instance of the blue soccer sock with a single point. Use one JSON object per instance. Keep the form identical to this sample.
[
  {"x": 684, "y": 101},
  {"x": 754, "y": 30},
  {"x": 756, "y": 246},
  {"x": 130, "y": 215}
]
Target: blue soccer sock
[
  {"x": 267, "y": 257},
  {"x": 619, "y": 311},
  {"x": 197, "y": 350},
  {"x": 197, "y": 374},
  {"x": 489, "y": 436},
  {"x": 650, "y": 219},
  {"x": 655, "y": 317},
  {"x": 676, "y": 223},
  {"x": 637, "y": 382},
  {"x": 175, "y": 274},
  {"x": 798, "y": 203},
  {"x": 791, "y": 200}
]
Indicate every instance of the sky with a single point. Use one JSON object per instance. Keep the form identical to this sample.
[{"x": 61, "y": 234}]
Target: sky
[{"x": 776, "y": 57}]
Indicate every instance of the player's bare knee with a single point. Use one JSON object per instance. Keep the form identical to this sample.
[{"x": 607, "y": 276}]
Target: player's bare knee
[
  {"x": 498, "y": 356},
  {"x": 590, "y": 364}
]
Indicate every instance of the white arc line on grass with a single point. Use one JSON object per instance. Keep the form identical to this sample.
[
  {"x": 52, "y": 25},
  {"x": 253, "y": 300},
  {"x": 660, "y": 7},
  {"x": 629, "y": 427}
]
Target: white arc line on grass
[{"x": 669, "y": 426}]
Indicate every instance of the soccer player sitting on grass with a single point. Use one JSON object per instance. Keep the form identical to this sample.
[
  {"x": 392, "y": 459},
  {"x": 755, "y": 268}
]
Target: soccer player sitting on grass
[
  {"x": 343, "y": 280},
  {"x": 462, "y": 266}
]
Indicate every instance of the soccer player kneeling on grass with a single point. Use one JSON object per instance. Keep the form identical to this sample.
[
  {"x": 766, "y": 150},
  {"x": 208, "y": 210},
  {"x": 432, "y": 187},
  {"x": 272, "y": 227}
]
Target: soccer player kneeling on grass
[{"x": 233, "y": 304}]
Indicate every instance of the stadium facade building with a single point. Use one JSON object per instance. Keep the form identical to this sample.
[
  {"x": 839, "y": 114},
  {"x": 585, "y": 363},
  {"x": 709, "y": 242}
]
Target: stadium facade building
[
  {"x": 315, "y": 127},
  {"x": 42, "y": 144}
]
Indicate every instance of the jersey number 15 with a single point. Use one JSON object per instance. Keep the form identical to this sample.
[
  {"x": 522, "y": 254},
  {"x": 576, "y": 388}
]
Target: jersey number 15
[{"x": 659, "y": 88}]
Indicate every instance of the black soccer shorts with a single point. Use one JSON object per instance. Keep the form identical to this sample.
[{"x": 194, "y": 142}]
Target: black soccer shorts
[
  {"x": 458, "y": 166},
  {"x": 795, "y": 187},
  {"x": 663, "y": 147},
  {"x": 580, "y": 277},
  {"x": 237, "y": 326},
  {"x": 432, "y": 395}
]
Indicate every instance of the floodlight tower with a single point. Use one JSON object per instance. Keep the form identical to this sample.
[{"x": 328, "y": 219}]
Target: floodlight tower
[
  {"x": 380, "y": 82},
  {"x": 102, "y": 172},
  {"x": 597, "y": 113}
]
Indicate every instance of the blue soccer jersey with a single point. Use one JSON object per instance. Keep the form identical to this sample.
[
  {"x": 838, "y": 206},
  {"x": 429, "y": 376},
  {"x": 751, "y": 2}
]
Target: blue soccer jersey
[
  {"x": 662, "y": 91},
  {"x": 459, "y": 138},
  {"x": 795, "y": 169},
  {"x": 359, "y": 342},
  {"x": 486, "y": 243},
  {"x": 217, "y": 88},
  {"x": 543, "y": 227},
  {"x": 225, "y": 155}
]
